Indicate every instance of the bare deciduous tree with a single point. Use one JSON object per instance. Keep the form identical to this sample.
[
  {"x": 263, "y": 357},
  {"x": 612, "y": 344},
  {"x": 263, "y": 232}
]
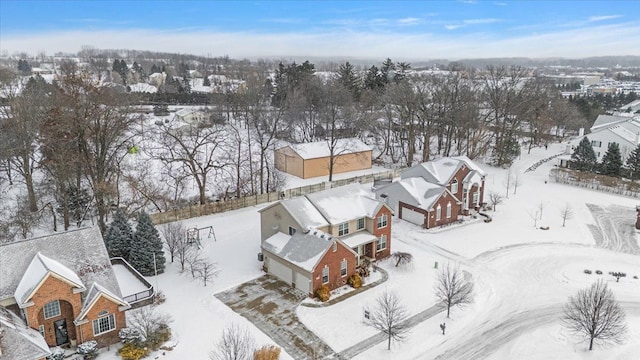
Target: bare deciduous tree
[
  {"x": 452, "y": 289},
  {"x": 402, "y": 258},
  {"x": 567, "y": 213},
  {"x": 517, "y": 181},
  {"x": 194, "y": 261},
  {"x": 495, "y": 199},
  {"x": 147, "y": 320},
  {"x": 235, "y": 344},
  {"x": 595, "y": 314},
  {"x": 389, "y": 317},
  {"x": 207, "y": 271},
  {"x": 175, "y": 238}
]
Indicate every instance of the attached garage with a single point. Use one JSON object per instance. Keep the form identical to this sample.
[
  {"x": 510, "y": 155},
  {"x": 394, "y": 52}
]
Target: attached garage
[
  {"x": 279, "y": 270},
  {"x": 412, "y": 216},
  {"x": 303, "y": 282}
]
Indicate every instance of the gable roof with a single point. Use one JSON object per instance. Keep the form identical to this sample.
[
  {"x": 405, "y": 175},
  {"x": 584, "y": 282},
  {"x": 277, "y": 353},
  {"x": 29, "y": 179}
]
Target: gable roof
[
  {"x": 18, "y": 341},
  {"x": 345, "y": 203},
  {"x": 81, "y": 250},
  {"x": 440, "y": 171},
  {"x": 303, "y": 249},
  {"x": 606, "y": 121},
  {"x": 304, "y": 212},
  {"x": 320, "y": 149},
  {"x": 419, "y": 192},
  {"x": 94, "y": 293},
  {"x": 40, "y": 268}
]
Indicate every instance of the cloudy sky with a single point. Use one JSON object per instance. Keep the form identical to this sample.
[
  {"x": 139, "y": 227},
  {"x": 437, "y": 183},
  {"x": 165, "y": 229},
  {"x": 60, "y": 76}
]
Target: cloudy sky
[{"x": 410, "y": 30}]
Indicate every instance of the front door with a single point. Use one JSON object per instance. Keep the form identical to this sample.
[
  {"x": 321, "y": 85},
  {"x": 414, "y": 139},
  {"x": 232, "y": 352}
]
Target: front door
[{"x": 62, "y": 337}]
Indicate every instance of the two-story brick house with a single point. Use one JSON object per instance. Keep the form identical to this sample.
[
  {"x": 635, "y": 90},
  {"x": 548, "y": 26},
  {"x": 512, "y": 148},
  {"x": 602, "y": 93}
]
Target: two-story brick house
[
  {"x": 63, "y": 286},
  {"x": 318, "y": 239},
  {"x": 436, "y": 192}
]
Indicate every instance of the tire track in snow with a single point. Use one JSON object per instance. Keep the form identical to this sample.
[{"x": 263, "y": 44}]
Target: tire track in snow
[{"x": 614, "y": 228}]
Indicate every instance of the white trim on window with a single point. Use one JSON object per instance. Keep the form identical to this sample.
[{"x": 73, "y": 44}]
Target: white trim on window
[
  {"x": 454, "y": 186},
  {"x": 476, "y": 198},
  {"x": 41, "y": 330},
  {"x": 381, "y": 243},
  {"x": 104, "y": 324},
  {"x": 382, "y": 221},
  {"x": 325, "y": 274},
  {"x": 361, "y": 224},
  {"x": 343, "y": 229},
  {"x": 448, "y": 210},
  {"x": 438, "y": 212},
  {"x": 51, "y": 309},
  {"x": 343, "y": 267}
]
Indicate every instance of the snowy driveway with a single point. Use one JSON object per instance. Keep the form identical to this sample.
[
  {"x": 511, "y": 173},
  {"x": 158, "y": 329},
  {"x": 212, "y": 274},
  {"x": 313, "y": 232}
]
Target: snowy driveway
[
  {"x": 270, "y": 305},
  {"x": 615, "y": 228}
]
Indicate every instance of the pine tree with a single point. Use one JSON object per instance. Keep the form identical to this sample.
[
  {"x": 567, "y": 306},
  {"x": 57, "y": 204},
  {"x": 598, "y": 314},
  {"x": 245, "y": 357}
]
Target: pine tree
[
  {"x": 146, "y": 242},
  {"x": 206, "y": 81},
  {"x": 119, "y": 236},
  {"x": 612, "y": 160},
  {"x": 584, "y": 158},
  {"x": 154, "y": 69},
  {"x": 186, "y": 85},
  {"x": 349, "y": 79},
  {"x": 633, "y": 163}
]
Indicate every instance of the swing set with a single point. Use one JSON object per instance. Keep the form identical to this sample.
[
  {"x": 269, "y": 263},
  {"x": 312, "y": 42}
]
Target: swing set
[{"x": 193, "y": 235}]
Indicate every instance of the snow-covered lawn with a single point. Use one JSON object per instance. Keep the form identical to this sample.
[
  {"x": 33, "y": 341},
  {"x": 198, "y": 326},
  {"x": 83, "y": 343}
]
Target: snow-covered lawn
[{"x": 523, "y": 275}]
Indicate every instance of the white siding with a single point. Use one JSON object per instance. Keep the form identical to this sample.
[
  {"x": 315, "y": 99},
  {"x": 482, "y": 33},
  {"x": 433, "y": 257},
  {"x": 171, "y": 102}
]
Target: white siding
[
  {"x": 279, "y": 270},
  {"x": 412, "y": 216}
]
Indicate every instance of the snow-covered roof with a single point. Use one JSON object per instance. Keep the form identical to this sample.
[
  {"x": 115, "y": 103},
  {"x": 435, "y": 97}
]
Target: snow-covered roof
[
  {"x": 422, "y": 193},
  {"x": 301, "y": 249},
  {"x": 18, "y": 341},
  {"x": 358, "y": 238},
  {"x": 319, "y": 149},
  {"x": 39, "y": 269},
  {"x": 187, "y": 111},
  {"x": 607, "y": 120},
  {"x": 81, "y": 250},
  {"x": 441, "y": 170},
  {"x": 344, "y": 203},
  {"x": 143, "y": 88},
  {"x": 94, "y": 294},
  {"x": 303, "y": 211}
]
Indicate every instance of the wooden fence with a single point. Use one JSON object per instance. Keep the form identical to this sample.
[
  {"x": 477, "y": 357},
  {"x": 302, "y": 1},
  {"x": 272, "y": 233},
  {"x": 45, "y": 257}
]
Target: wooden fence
[
  {"x": 621, "y": 187},
  {"x": 252, "y": 200}
]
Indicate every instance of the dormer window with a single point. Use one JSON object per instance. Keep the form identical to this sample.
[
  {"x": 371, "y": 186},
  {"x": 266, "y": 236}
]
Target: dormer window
[{"x": 454, "y": 186}]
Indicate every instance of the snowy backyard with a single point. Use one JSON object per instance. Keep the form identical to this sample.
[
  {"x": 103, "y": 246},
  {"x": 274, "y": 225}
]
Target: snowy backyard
[{"x": 523, "y": 276}]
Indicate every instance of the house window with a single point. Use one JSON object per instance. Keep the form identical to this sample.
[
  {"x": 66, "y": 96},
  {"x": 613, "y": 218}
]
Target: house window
[
  {"x": 292, "y": 230},
  {"x": 343, "y": 268},
  {"x": 381, "y": 243},
  {"x": 343, "y": 229},
  {"x": 448, "y": 210},
  {"x": 52, "y": 309},
  {"x": 325, "y": 274},
  {"x": 476, "y": 198},
  {"x": 360, "y": 223},
  {"x": 438, "y": 212},
  {"x": 596, "y": 143},
  {"x": 41, "y": 330},
  {"x": 382, "y": 221},
  {"x": 454, "y": 186},
  {"x": 105, "y": 323}
]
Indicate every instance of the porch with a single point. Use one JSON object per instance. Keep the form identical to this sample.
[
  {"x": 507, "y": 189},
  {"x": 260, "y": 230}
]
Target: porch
[
  {"x": 363, "y": 243},
  {"x": 135, "y": 289}
]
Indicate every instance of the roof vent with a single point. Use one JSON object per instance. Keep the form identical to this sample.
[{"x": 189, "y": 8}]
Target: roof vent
[{"x": 322, "y": 236}]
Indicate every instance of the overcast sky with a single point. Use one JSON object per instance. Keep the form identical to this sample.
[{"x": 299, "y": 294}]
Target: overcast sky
[{"x": 411, "y": 30}]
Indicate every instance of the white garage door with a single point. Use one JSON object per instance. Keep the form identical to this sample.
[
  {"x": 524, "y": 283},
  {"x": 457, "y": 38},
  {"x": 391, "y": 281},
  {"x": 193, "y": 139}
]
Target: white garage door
[
  {"x": 279, "y": 270},
  {"x": 412, "y": 216},
  {"x": 303, "y": 282}
]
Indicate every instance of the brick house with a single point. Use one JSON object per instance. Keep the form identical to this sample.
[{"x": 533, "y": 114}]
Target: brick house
[
  {"x": 64, "y": 287},
  {"x": 310, "y": 160},
  {"x": 436, "y": 192},
  {"x": 320, "y": 238}
]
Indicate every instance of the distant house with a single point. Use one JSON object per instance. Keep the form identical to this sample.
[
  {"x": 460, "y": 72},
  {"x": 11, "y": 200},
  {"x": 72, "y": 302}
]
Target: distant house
[
  {"x": 436, "y": 192},
  {"x": 623, "y": 130},
  {"x": 192, "y": 117},
  {"x": 310, "y": 160},
  {"x": 64, "y": 287},
  {"x": 318, "y": 239}
]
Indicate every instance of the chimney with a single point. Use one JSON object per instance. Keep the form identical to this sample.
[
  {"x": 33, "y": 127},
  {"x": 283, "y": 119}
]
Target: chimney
[{"x": 581, "y": 132}]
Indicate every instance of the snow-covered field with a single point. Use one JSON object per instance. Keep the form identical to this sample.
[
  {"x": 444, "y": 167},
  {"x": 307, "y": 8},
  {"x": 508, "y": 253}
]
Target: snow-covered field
[{"x": 523, "y": 275}]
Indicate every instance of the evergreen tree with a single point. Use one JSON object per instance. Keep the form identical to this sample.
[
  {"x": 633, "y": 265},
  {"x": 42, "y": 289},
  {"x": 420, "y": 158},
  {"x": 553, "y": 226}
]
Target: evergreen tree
[
  {"x": 612, "y": 160},
  {"x": 633, "y": 163},
  {"x": 146, "y": 242},
  {"x": 119, "y": 236},
  {"x": 155, "y": 69},
  {"x": 186, "y": 86},
  {"x": 349, "y": 79},
  {"x": 206, "y": 81},
  {"x": 373, "y": 79},
  {"x": 584, "y": 158}
]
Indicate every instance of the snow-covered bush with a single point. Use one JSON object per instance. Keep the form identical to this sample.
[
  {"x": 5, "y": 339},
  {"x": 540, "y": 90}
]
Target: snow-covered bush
[
  {"x": 56, "y": 354},
  {"x": 89, "y": 349},
  {"x": 128, "y": 335}
]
